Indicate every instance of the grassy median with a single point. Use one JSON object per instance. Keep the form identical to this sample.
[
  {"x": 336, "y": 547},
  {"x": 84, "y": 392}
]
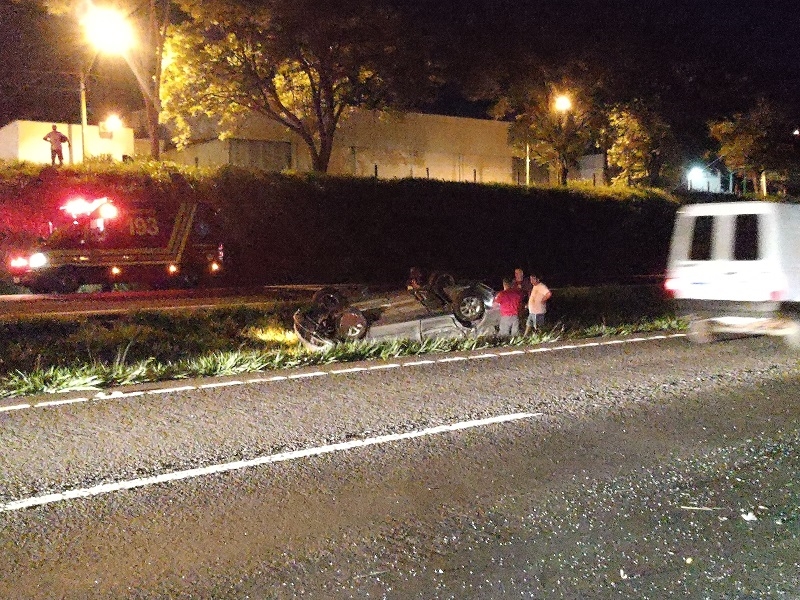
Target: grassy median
[{"x": 93, "y": 353}]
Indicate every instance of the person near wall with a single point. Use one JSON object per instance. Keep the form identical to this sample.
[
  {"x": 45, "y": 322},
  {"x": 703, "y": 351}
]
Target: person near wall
[
  {"x": 537, "y": 305},
  {"x": 56, "y": 139},
  {"x": 523, "y": 284},
  {"x": 508, "y": 299}
]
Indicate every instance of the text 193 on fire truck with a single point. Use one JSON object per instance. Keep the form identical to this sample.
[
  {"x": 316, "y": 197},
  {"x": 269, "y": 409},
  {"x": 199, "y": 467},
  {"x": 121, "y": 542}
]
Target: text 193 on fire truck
[{"x": 102, "y": 242}]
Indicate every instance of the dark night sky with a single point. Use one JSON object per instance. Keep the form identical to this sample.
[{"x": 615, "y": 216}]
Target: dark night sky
[{"x": 705, "y": 59}]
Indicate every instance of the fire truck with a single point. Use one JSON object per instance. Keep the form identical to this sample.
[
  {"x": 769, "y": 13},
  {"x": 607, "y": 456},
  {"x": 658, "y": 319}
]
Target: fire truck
[{"x": 103, "y": 242}]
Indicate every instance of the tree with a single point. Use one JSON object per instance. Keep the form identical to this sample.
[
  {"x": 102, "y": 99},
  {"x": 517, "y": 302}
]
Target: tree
[
  {"x": 302, "y": 64},
  {"x": 642, "y": 144},
  {"x": 151, "y": 20},
  {"x": 555, "y": 135},
  {"x": 757, "y": 144}
]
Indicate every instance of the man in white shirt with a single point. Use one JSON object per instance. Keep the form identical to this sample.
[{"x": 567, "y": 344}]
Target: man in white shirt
[
  {"x": 56, "y": 138},
  {"x": 537, "y": 305}
]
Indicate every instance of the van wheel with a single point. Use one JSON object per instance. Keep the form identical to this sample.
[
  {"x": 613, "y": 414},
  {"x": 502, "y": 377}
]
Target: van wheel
[
  {"x": 792, "y": 338},
  {"x": 700, "y": 331}
]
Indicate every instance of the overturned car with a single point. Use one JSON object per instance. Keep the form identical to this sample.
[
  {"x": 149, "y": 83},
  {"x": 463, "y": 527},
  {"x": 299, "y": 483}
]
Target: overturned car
[{"x": 439, "y": 308}]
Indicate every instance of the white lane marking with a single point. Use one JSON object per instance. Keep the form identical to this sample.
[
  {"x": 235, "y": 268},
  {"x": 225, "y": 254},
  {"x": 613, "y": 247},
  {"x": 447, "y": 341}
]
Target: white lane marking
[
  {"x": 183, "y": 388},
  {"x": 414, "y": 363},
  {"x": 206, "y": 386},
  {"x": 305, "y": 375},
  {"x": 130, "y": 484},
  {"x": 381, "y": 367},
  {"x": 351, "y": 370},
  {"x": 59, "y": 402},
  {"x": 266, "y": 379},
  {"x": 14, "y": 407}
]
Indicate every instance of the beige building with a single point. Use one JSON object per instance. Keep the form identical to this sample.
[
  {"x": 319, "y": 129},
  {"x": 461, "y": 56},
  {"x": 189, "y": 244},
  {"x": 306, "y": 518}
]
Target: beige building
[
  {"x": 23, "y": 140},
  {"x": 370, "y": 143},
  {"x": 386, "y": 145}
]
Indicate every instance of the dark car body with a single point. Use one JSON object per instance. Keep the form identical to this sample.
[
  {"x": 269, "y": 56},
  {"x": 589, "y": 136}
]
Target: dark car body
[{"x": 443, "y": 308}]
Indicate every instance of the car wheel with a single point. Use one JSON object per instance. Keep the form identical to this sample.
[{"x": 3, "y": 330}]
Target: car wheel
[
  {"x": 188, "y": 278},
  {"x": 328, "y": 298},
  {"x": 66, "y": 281},
  {"x": 439, "y": 281},
  {"x": 468, "y": 305},
  {"x": 700, "y": 331},
  {"x": 352, "y": 325}
]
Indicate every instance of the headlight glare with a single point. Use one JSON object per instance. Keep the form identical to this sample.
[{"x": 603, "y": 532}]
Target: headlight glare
[{"x": 37, "y": 260}]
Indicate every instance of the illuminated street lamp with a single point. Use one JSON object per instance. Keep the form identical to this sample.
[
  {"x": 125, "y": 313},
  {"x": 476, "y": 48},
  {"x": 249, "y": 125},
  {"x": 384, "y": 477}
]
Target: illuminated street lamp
[
  {"x": 562, "y": 103},
  {"x": 108, "y": 31}
]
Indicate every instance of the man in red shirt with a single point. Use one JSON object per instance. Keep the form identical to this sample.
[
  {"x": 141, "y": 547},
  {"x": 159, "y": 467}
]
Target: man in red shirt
[{"x": 508, "y": 300}]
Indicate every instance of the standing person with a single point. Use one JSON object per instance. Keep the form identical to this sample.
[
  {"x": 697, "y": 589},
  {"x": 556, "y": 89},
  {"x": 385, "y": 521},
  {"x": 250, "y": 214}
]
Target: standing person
[
  {"x": 56, "y": 138},
  {"x": 537, "y": 305},
  {"x": 508, "y": 299},
  {"x": 523, "y": 284}
]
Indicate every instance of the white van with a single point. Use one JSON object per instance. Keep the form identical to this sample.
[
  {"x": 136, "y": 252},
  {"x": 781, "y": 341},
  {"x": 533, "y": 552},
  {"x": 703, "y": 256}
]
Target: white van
[{"x": 734, "y": 268}]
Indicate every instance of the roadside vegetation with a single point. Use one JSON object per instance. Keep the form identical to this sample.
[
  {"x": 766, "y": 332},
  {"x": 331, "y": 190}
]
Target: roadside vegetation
[{"x": 94, "y": 353}]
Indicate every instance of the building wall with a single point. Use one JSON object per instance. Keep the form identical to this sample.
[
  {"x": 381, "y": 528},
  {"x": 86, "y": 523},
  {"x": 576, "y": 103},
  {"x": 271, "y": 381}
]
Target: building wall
[
  {"x": 398, "y": 145},
  {"x": 22, "y": 140}
]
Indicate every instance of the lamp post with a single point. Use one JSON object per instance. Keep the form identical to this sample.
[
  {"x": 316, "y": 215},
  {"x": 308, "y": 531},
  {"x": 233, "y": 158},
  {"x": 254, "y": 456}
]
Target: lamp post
[
  {"x": 562, "y": 105},
  {"x": 108, "y": 31}
]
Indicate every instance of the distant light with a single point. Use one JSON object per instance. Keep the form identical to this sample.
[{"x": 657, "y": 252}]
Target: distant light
[
  {"x": 172, "y": 269},
  {"x": 214, "y": 267},
  {"x": 113, "y": 123},
  {"x": 697, "y": 173},
  {"x": 116, "y": 270},
  {"x": 18, "y": 263},
  {"x": 563, "y": 103},
  {"x": 108, "y": 30},
  {"x": 796, "y": 132}
]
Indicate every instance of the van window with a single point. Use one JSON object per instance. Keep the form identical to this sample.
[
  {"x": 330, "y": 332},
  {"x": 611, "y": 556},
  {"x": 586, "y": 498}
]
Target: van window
[
  {"x": 745, "y": 241},
  {"x": 701, "y": 238}
]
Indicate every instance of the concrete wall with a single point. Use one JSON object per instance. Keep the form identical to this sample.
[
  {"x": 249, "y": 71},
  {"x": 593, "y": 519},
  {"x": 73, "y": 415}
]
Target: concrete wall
[{"x": 22, "y": 140}]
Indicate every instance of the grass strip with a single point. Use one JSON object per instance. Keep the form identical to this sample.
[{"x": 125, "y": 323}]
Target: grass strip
[{"x": 99, "y": 375}]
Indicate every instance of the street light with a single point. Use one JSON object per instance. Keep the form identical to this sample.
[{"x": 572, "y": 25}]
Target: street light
[
  {"x": 563, "y": 103},
  {"x": 108, "y": 31}
]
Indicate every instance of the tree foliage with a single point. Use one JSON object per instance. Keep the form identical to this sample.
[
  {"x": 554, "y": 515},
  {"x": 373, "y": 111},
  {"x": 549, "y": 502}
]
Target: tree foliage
[
  {"x": 642, "y": 144},
  {"x": 557, "y": 138},
  {"x": 758, "y": 144},
  {"x": 302, "y": 64}
]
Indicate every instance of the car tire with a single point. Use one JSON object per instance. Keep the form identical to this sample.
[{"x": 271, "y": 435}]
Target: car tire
[
  {"x": 792, "y": 338},
  {"x": 468, "y": 306},
  {"x": 439, "y": 281},
  {"x": 351, "y": 325},
  {"x": 189, "y": 278},
  {"x": 700, "y": 331},
  {"x": 328, "y": 298},
  {"x": 66, "y": 281}
]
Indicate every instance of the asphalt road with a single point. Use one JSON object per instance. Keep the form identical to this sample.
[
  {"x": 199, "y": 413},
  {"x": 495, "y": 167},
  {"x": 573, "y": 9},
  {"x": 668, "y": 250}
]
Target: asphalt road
[
  {"x": 107, "y": 303},
  {"x": 648, "y": 469}
]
